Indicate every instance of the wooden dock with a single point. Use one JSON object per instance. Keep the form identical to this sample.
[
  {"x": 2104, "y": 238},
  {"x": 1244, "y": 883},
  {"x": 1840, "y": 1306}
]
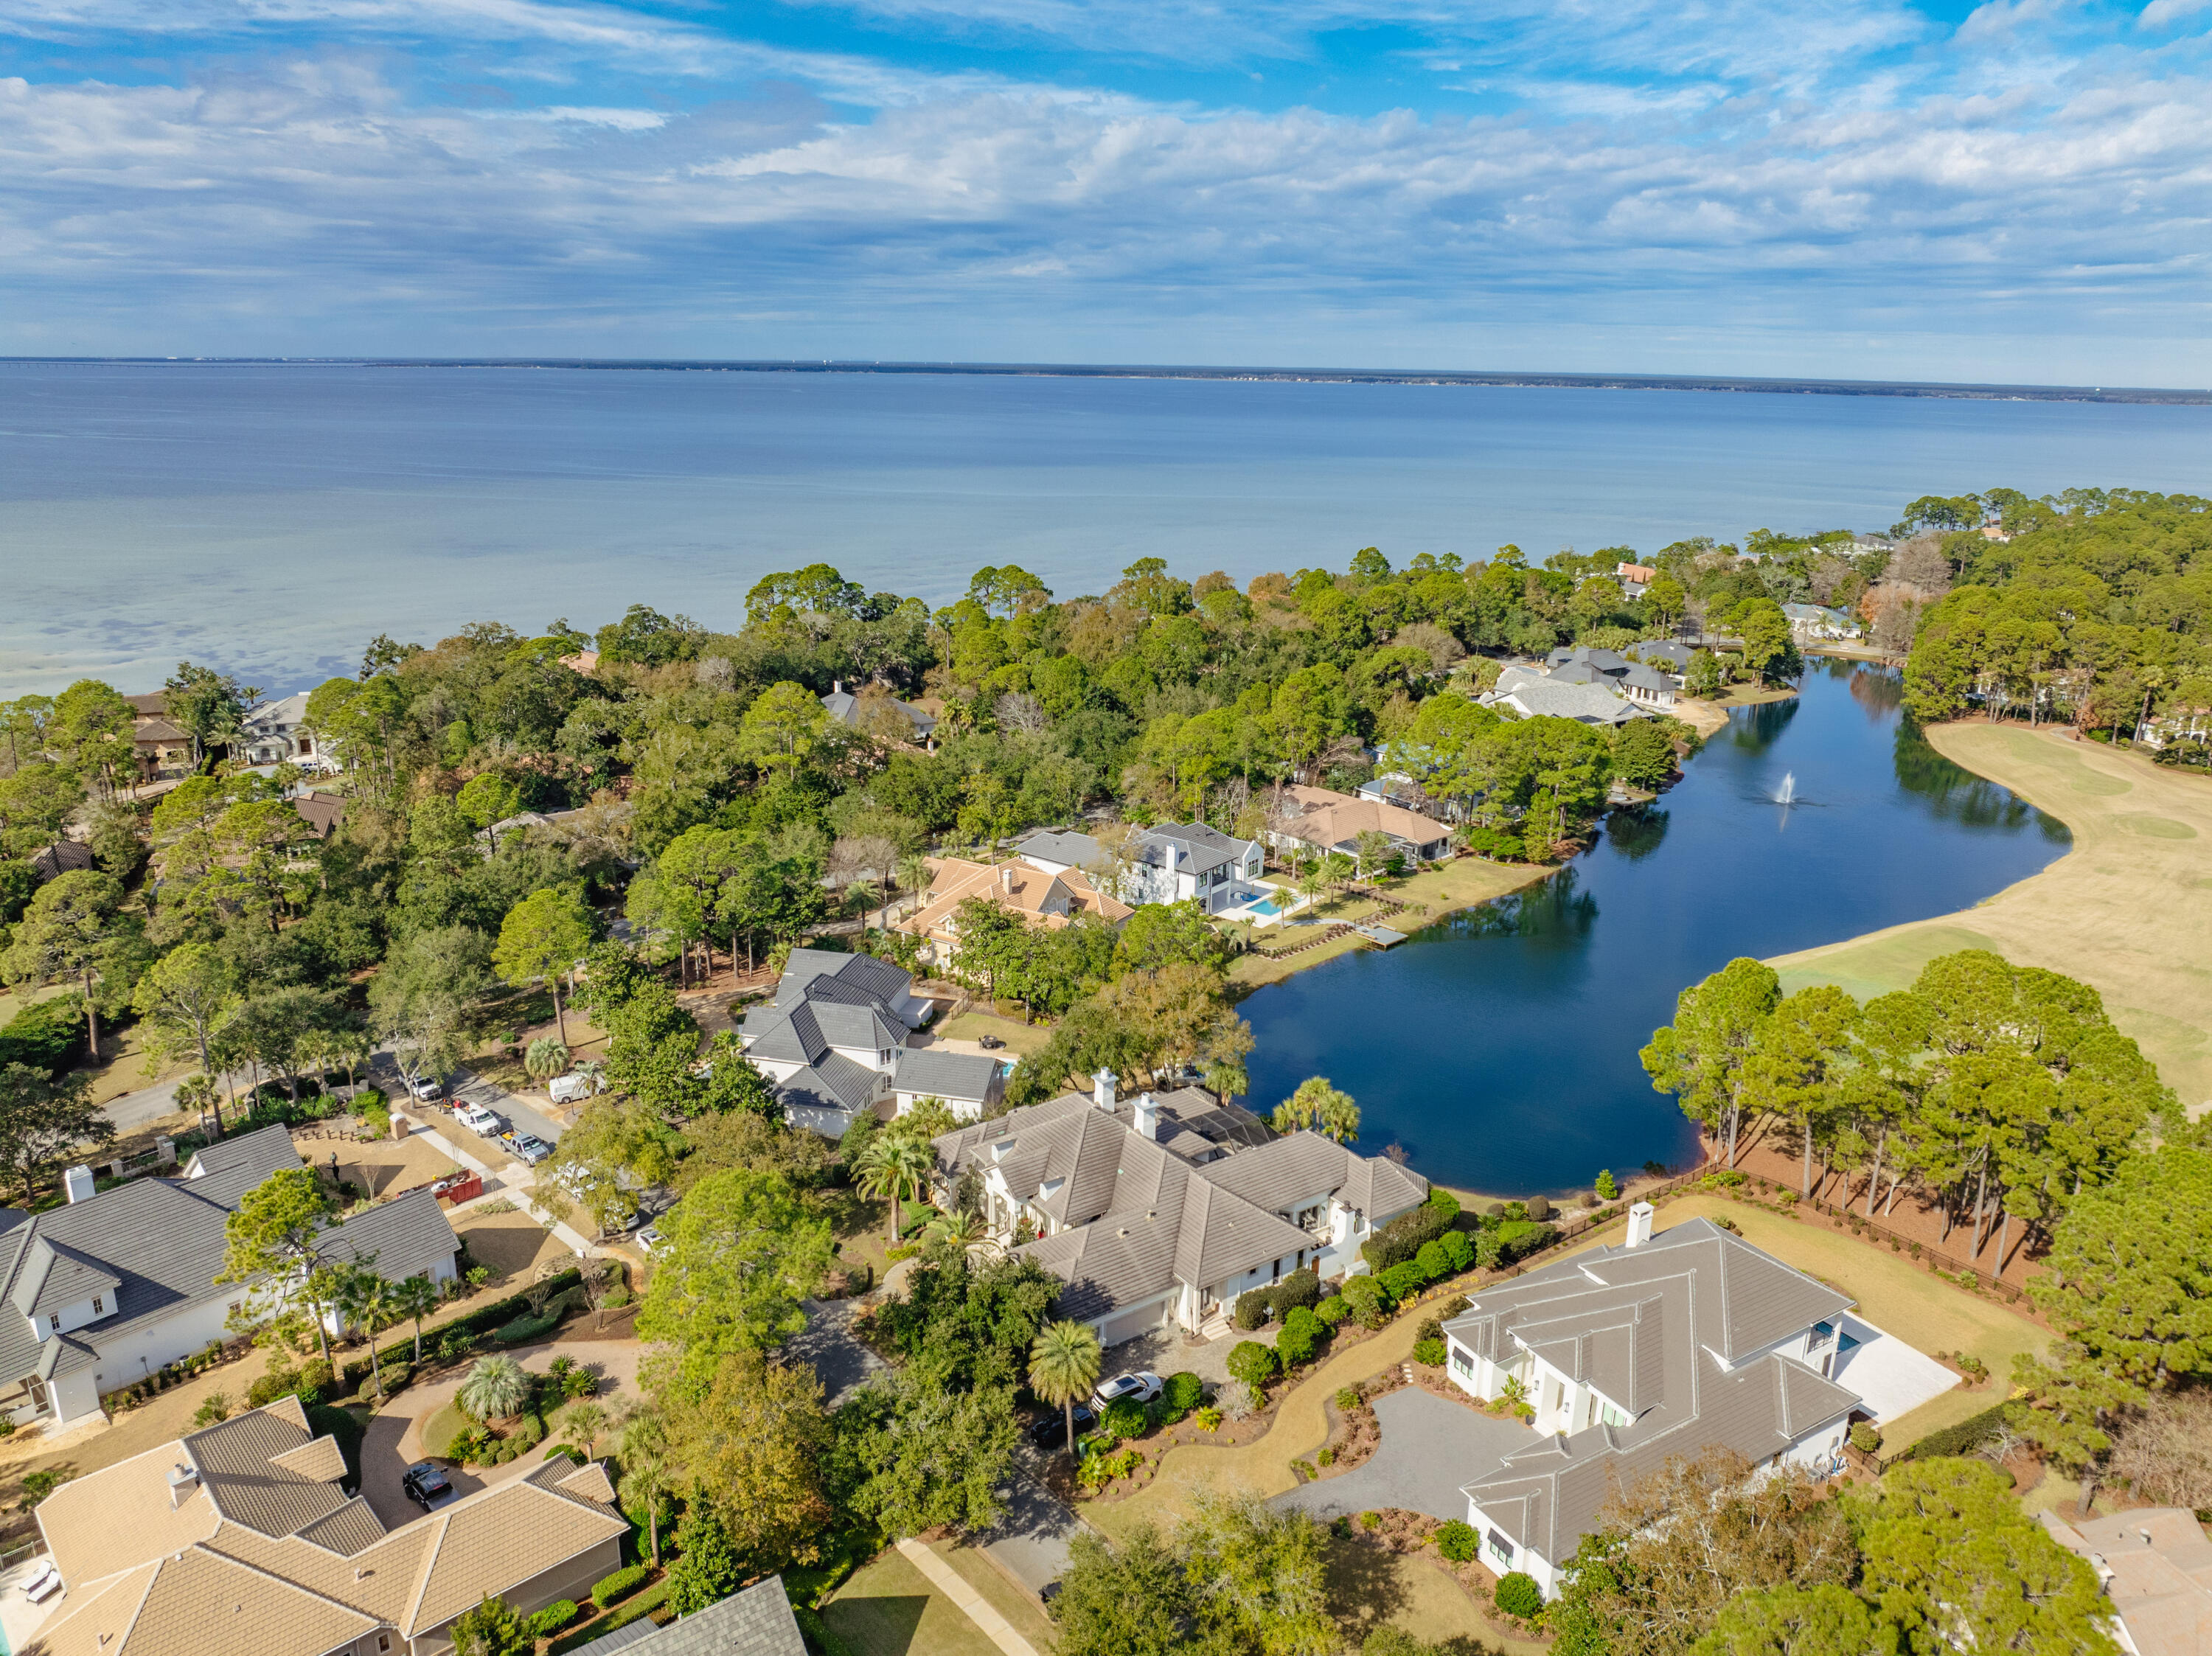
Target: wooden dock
[{"x": 1380, "y": 936}]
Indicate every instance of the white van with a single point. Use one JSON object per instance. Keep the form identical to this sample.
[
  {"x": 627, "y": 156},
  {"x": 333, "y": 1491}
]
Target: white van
[{"x": 576, "y": 1084}]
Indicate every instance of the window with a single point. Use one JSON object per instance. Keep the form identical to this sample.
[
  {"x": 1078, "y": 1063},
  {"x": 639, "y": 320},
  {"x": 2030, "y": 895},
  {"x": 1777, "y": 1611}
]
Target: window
[
  {"x": 383, "y": 1641},
  {"x": 1501, "y": 1548},
  {"x": 1461, "y": 1362},
  {"x": 99, "y": 1306}
]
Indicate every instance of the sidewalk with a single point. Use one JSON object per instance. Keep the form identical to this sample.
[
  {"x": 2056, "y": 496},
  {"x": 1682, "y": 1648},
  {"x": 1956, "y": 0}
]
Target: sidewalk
[
  {"x": 509, "y": 1183},
  {"x": 946, "y": 1579}
]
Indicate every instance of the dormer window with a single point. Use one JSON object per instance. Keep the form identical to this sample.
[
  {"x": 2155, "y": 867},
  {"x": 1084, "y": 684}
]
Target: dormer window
[{"x": 99, "y": 1305}]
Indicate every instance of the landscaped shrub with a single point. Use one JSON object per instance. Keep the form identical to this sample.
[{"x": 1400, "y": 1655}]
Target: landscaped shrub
[
  {"x": 1209, "y": 1419},
  {"x": 554, "y": 1616},
  {"x": 1518, "y": 1595},
  {"x": 1369, "y": 1300},
  {"x": 1252, "y": 1309},
  {"x": 1325, "y": 1458},
  {"x": 1444, "y": 1202},
  {"x": 1514, "y": 1239},
  {"x": 1459, "y": 1251},
  {"x": 1962, "y": 1438},
  {"x": 1300, "y": 1287},
  {"x": 1539, "y": 1208},
  {"x": 1866, "y": 1437},
  {"x": 1124, "y": 1418},
  {"x": 1433, "y": 1261},
  {"x": 1347, "y": 1399},
  {"x": 46, "y": 1037},
  {"x": 1334, "y": 1309},
  {"x": 1452, "y": 1307},
  {"x": 608, "y": 1588},
  {"x": 1429, "y": 1353},
  {"x": 1303, "y": 1334},
  {"x": 1608, "y": 1188},
  {"x": 1456, "y": 1540},
  {"x": 1182, "y": 1390},
  {"x": 1254, "y": 1363},
  {"x": 525, "y": 1329},
  {"x": 1402, "y": 1280},
  {"x": 1402, "y": 1237}
]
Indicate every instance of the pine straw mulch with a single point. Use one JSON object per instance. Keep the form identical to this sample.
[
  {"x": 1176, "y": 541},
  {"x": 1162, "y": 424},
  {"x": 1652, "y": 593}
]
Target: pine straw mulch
[{"x": 1414, "y": 1535}]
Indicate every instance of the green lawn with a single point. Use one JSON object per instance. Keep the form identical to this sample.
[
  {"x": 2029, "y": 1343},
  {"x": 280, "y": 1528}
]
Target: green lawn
[
  {"x": 1894, "y": 1294},
  {"x": 888, "y": 1608},
  {"x": 1020, "y": 1038}
]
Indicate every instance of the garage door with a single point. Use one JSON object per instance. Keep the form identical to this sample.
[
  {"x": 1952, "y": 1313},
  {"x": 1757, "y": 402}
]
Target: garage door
[{"x": 1127, "y": 1325}]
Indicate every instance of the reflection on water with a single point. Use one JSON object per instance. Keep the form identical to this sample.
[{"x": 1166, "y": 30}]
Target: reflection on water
[
  {"x": 1635, "y": 831},
  {"x": 1499, "y": 1045}
]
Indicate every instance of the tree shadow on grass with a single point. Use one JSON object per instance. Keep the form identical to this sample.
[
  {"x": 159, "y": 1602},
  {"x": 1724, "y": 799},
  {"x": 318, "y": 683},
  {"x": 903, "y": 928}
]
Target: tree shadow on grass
[
  {"x": 1364, "y": 1587},
  {"x": 877, "y": 1627}
]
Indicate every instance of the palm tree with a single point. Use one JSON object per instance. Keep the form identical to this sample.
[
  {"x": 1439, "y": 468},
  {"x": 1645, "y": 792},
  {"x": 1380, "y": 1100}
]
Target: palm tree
[
  {"x": 365, "y": 1298},
  {"x": 1064, "y": 1366},
  {"x": 1225, "y": 1075},
  {"x": 890, "y": 1166},
  {"x": 914, "y": 873},
  {"x": 585, "y": 1420},
  {"x": 495, "y": 1388},
  {"x": 642, "y": 1450},
  {"x": 415, "y": 1298}
]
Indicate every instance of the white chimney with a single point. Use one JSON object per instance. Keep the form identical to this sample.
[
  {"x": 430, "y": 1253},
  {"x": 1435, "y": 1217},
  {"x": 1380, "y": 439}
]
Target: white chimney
[
  {"x": 77, "y": 1184},
  {"x": 836, "y": 686},
  {"x": 1639, "y": 1225},
  {"x": 1006, "y": 877},
  {"x": 1102, "y": 1089},
  {"x": 182, "y": 1481},
  {"x": 1148, "y": 1116}
]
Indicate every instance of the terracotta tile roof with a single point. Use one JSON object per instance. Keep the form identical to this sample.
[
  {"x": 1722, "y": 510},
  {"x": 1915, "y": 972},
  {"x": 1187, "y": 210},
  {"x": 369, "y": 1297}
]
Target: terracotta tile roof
[
  {"x": 108, "y": 1520},
  {"x": 500, "y": 1537},
  {"x": 1327, "y": 818},
  {"x": 1041, "y": 899},
  {"x": 319, "y": 1458}
]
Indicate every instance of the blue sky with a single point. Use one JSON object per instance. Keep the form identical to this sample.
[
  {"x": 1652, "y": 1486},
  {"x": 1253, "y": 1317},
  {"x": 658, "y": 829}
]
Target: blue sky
[{"x": 2019, "y": 191}]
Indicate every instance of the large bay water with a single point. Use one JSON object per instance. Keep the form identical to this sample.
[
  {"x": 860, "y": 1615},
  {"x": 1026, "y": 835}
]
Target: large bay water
[
  {"x": 1499, "y": 1047},
  {"x": 269, "y": 518}
]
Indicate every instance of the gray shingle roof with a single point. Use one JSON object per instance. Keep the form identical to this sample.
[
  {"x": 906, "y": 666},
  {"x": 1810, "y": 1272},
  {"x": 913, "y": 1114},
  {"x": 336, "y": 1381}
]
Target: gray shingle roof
[
  {"x": 1669, "y": 1332},
  {"x": 835, "y": 1083},
  {"x": 1063, "y": 848},
  {"x": 1144, "y": 1214},
  {"x": 1550, "y": 698},
  {"x": 843, "y": 705},
  {"x": 1190, "y": 847},
  {"x": 757, "y": 1621},
  {"x": 407, "y": 1236},
  {"x": 955, "y": 1077}
]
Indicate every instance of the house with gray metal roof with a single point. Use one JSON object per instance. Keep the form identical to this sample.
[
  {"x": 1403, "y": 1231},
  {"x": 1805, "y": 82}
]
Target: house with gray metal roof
[
  {"x": 971, "y": 1083},
  {"x": 99, "y": 1293},
  {"x": 756, "y": 1622},
  {"x": 1669, "y": 1344},
  {"x": 1164, "y": 1210},
  {"x": 831, "y": 1039}
]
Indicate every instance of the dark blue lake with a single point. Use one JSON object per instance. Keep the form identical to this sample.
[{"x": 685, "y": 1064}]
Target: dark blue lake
[{"x": 1499, "y": 1048}]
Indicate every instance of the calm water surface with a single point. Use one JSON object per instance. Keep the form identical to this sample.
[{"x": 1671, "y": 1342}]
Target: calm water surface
[
  {"x": 269, "y": 518},
  {"x": 1499, "y": 1047}
]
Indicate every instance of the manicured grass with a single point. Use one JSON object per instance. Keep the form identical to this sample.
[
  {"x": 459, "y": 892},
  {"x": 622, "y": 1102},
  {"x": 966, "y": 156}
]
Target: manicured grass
[
  {"x": 1020, "y": 1038},
  {"x": 2127, "y": 912},
  {"x": 1369, "y": 1588},
  {"x": 888, "y": 1608},
  {"x": 438, "y": 1431},
  {"x": 1001, "y": 1594},
  {"x": 1894, "y": 1294},
  {"x": 1436, "y": 891}
]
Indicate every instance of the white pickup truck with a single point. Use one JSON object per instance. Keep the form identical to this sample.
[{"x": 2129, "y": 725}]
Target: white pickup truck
[{"x": 477, "y": 1120}]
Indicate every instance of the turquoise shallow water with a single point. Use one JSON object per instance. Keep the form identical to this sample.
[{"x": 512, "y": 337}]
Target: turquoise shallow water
[
  {"x": 1500, "y": 1048},
  {"x": 269, "y": 518}
]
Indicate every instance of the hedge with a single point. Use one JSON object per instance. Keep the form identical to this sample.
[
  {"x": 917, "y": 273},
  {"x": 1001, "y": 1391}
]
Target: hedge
[
  {"x": 817, "y": 1634},
  {"x": 1968, "y": 1434},
  {"x": 554, "y": 1616},
  {"x": 1456, "y": 1540},
  {"x": 48, "y": 1037},
  {"x": 644, "y": 1604},
  {"x": 523, "y": 1330},
  {"x": 608, "y": 1588}
]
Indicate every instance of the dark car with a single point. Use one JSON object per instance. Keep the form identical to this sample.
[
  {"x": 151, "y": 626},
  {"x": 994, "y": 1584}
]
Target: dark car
[
  {"x": 1051, "y": 1431},
  {"x": 427, "y": 1485},
  {"x": 989, "y": 1043}
]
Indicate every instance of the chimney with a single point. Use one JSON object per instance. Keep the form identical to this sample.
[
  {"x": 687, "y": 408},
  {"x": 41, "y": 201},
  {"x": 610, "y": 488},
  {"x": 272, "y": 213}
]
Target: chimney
[
  {"x": 1639, "y": 1225},
  {"x": 1102, "y": 1089},
  {"x": 836, "y": 686},
  {"x": 78, "y": 1183},
  {"x": 1006, "y": 877},
  {"x": 182, "y": 1481},
  {"x": 1148, "y": 1116}
]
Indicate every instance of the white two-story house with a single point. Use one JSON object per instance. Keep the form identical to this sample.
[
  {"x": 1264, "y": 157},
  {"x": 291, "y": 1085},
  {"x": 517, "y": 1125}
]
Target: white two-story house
[
  {"x": 1179, "y": 863},
  {"x": 1164, "y": 1210},
  {"x": 1667, "y": 1345}
]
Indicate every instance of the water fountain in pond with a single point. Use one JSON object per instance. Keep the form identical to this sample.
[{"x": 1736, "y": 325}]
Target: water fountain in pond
[{"x": 1787, "y": 794}]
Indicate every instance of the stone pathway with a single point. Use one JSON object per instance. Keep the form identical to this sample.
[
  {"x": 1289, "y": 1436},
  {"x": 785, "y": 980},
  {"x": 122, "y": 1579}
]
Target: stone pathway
[{"x": 944, "y": 1579}]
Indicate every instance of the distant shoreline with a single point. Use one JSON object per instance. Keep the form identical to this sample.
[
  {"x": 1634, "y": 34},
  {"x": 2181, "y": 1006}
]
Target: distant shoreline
[{"x": 1741, "y": 383}]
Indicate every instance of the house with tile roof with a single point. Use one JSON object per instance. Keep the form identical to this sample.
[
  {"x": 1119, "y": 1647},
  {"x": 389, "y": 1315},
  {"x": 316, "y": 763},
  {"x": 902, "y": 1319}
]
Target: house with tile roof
[
  {"x": 163, "y": 748},
  {"x": 1157, "y": 1211},
  {"x": 243, "y": 1537},
  {"x": 1668, "y": 1344},
  {"x": 1320, "y": 819},
  {"x": 98, "y": 1293},
  {"x": 1041, "y": 899}
]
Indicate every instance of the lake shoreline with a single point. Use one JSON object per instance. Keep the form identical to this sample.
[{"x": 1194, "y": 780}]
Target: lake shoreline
[{"x": 2124, "y": 910}]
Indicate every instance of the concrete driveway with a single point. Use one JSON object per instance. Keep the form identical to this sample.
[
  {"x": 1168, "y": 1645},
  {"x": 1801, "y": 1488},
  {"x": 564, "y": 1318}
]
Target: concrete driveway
[
  {"x": 1432, "y": 1446},
  {"x": 840, "y": 1361},
  {"x": 393, "y": 1441},
  {"x": 1032, "y": 1537}
]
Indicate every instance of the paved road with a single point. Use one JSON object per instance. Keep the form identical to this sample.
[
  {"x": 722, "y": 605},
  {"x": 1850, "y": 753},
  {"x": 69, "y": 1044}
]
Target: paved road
[
  {"x": 461, "y": 1087},
  {"x": 1431, "y": 1447},
  {"x": 148, "y": 1104}
]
